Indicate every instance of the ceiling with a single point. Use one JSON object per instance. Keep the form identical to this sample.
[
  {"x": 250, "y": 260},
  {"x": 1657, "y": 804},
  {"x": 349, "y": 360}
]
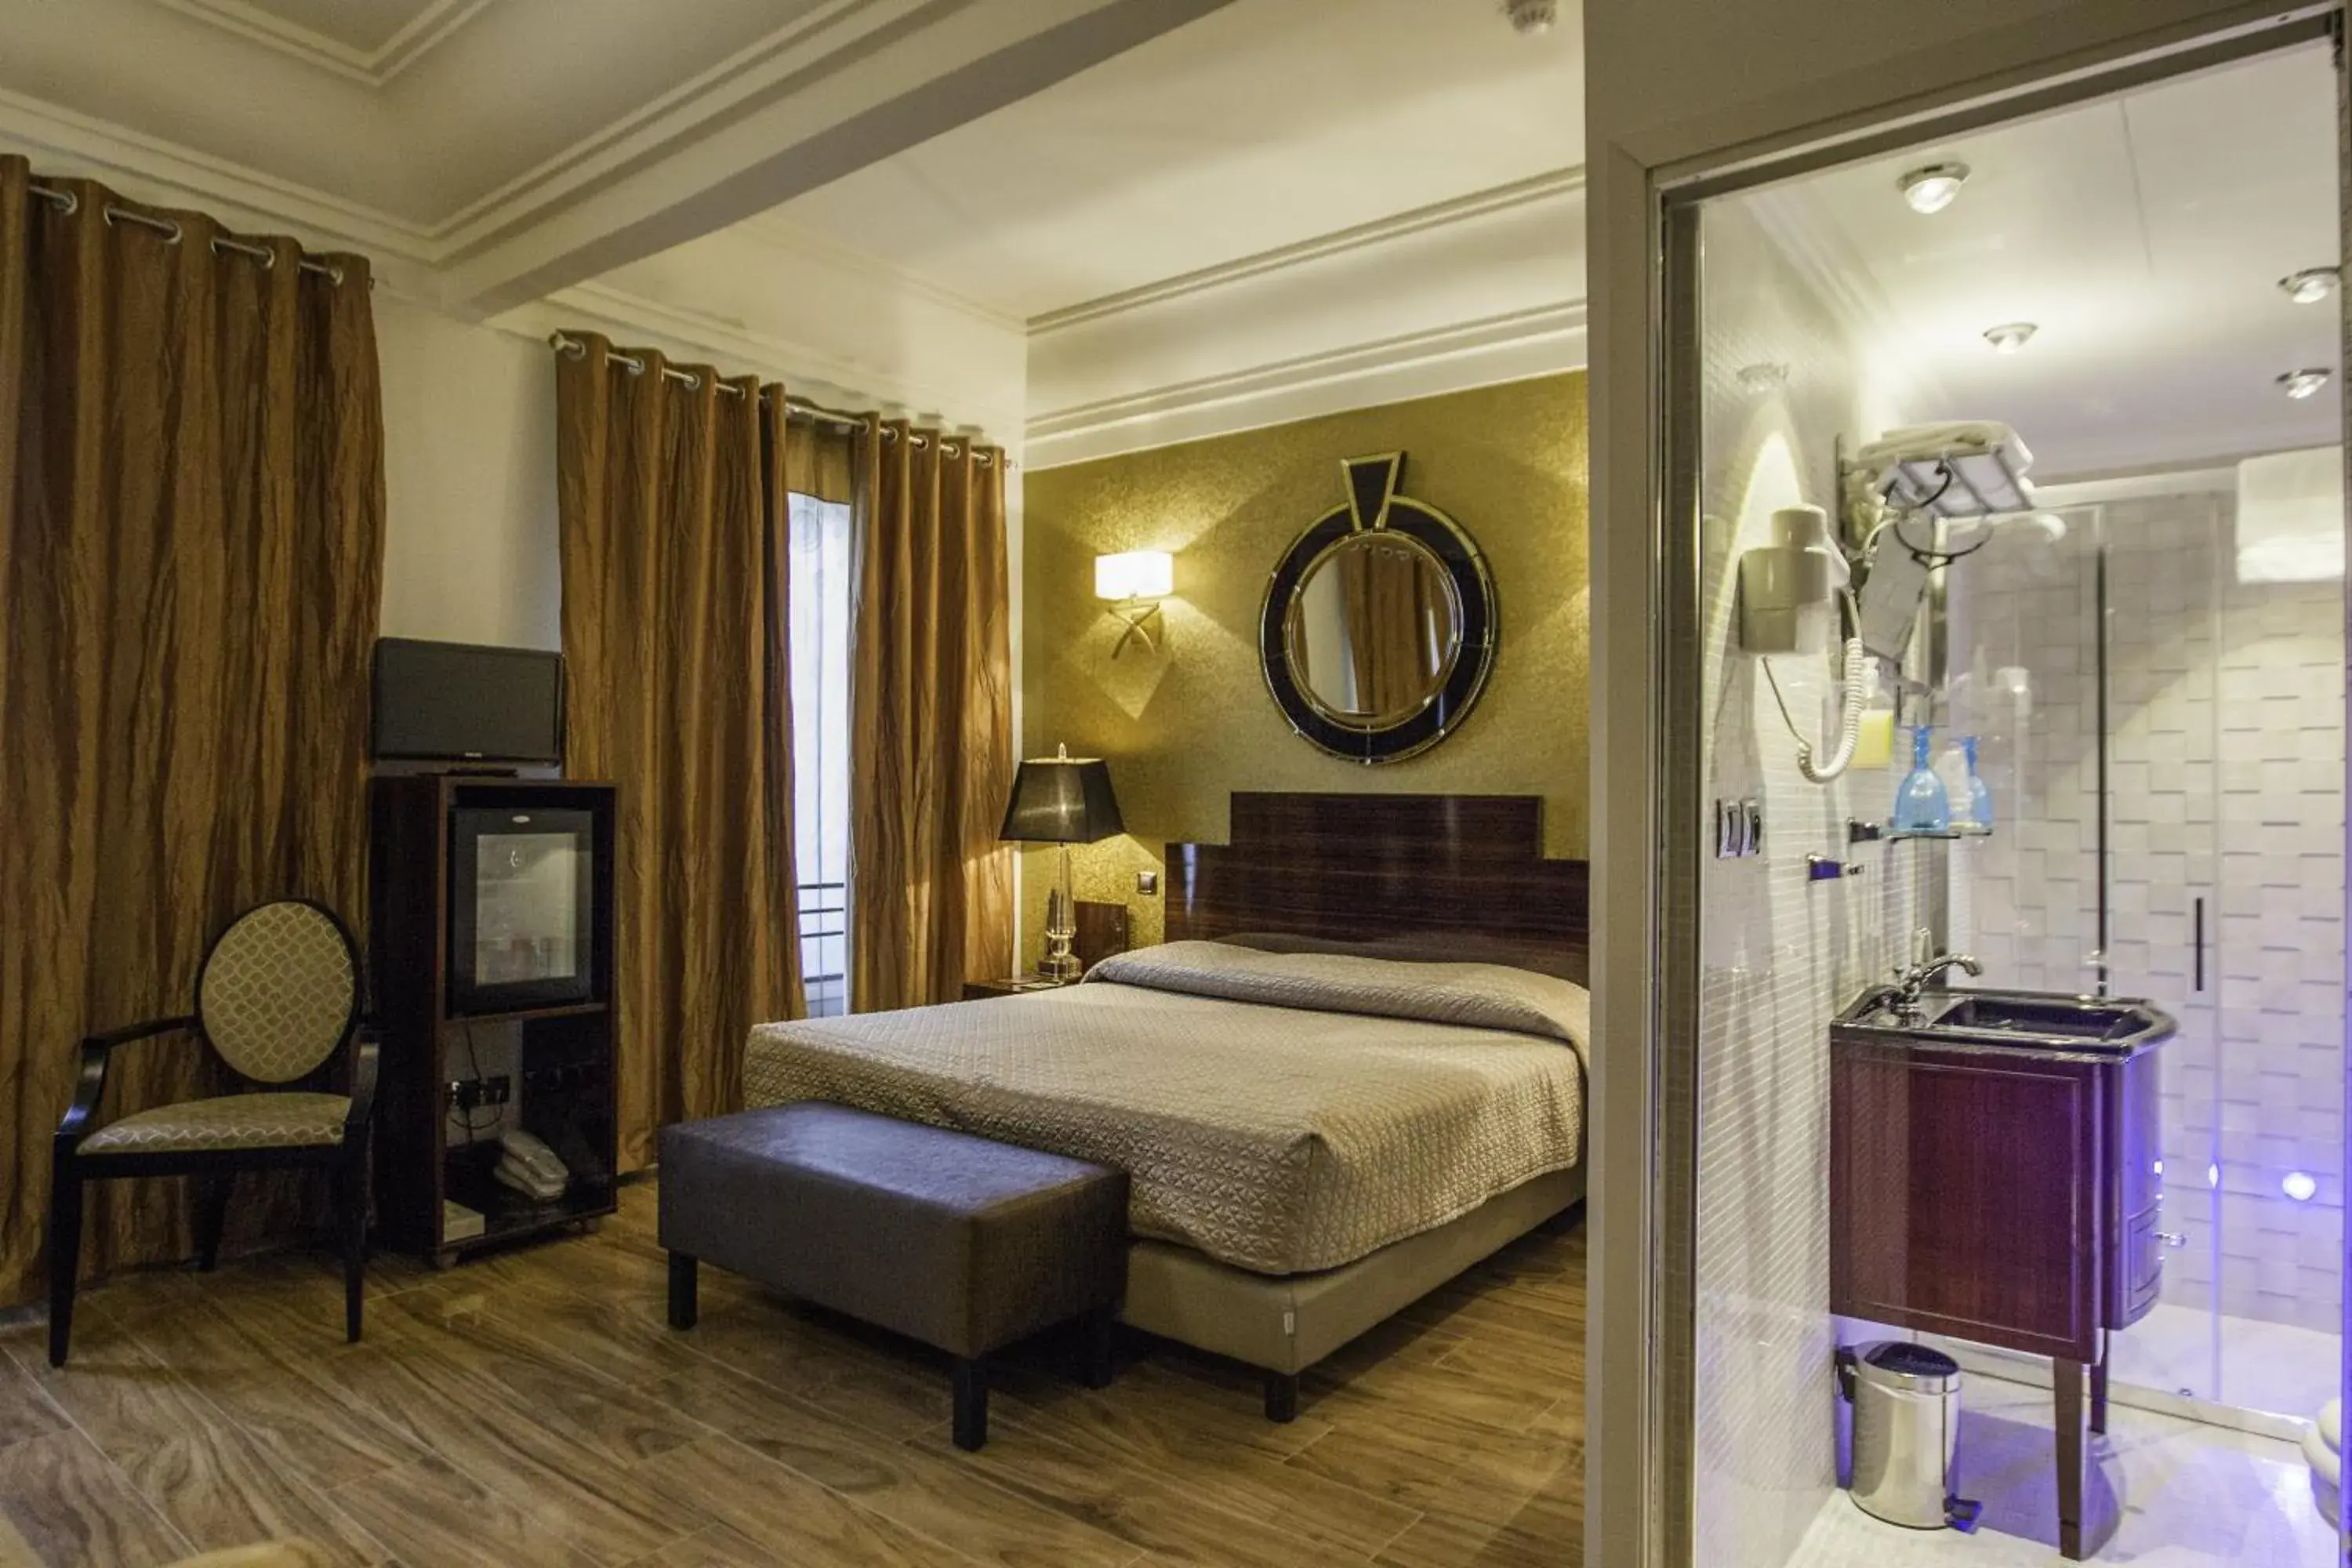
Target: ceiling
[
  {"x": 2143, "y": 234},
  {"x": 1261, "y": 125},
  {"x": 499, "y": 150},
  {"x": 371, "y": 42}
]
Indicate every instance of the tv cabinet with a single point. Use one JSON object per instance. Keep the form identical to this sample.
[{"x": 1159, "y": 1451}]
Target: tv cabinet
[{"x": 556, "y": 1062}]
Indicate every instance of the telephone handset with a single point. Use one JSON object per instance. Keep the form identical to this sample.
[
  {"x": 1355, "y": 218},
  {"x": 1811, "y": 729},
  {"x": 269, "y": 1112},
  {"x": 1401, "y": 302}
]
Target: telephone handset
[
  {"x": 530, "y": 1167},
  {"x": 1789, "y": 592}
]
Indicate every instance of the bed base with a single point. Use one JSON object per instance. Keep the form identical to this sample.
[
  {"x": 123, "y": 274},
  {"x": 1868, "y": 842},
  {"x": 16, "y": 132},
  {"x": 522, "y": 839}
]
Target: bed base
[{"x": 1283, "y": 1324}]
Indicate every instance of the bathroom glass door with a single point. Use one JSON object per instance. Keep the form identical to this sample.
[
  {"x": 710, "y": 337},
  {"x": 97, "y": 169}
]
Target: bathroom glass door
[{"x": 2082, "y": 655}]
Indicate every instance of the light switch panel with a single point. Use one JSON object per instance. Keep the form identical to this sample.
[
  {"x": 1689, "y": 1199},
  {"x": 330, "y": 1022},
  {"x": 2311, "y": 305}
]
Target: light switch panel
[
  {"x": 1148, "y": 884},
  {"x": 1739, "y": 829}
]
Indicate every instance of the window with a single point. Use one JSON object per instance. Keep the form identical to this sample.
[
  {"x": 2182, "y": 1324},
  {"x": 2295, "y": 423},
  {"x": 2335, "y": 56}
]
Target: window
[{"x": 818, "y": 614}]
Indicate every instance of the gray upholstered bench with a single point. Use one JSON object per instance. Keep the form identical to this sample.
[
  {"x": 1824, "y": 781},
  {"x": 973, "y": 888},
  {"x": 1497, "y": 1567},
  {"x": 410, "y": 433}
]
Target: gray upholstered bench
[{"x": 962, "y": 1242}]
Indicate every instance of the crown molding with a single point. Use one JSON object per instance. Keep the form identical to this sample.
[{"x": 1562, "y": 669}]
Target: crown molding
[
  {"x": 734, "y": 349},
  {"x": 799, "y": 50},
  {"x": 800, "y": 53},
  {"x": 140, "y": 162},
  {"x": 1488, "y": 203},
  {"x": 431, "y": 25},
  {"x": 786, "y": 238},
  {"x": 1513, "y": 346}
]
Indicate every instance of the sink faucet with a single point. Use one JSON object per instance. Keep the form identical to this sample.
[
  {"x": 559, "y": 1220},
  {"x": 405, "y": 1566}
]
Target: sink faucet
[{"x": 1928, "y": 967}]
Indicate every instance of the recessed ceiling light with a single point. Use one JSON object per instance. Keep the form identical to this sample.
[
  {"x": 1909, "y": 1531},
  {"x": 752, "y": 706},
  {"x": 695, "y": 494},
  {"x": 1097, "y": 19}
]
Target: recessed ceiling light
[
  {"x": 2300, "y": 1187},
  {"x": 2010, "y": 336},
  {"x": 2311, "y": 285},
  {"x": 2300, "y": 384},
  {"x": 1931, "y": 187}
]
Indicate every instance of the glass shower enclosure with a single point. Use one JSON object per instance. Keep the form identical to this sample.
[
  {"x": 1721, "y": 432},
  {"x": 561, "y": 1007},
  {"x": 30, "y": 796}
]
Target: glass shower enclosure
[{"x": 2160, "y": 717}]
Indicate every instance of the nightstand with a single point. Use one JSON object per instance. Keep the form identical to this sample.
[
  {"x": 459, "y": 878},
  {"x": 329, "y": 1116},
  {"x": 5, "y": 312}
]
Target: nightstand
[{"x": 1019, "y": 984}]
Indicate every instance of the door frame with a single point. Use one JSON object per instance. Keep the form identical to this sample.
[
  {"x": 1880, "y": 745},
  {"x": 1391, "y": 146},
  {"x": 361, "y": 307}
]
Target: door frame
[{"x": 1647, "y": 706}]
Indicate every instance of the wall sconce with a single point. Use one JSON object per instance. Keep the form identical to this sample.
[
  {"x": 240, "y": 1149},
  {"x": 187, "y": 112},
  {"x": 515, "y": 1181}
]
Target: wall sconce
[{"x": 1135, "y": 582}]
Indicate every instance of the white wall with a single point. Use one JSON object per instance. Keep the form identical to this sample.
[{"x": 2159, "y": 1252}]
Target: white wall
[
  {"x": 1780, "y": 952},
  {"x": 469, "y": 410},
  {"x": 470, "y": 481}
]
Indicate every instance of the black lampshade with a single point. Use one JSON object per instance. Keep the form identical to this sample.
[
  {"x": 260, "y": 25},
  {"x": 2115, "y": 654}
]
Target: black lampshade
[{"x": 1062, "y": 800}]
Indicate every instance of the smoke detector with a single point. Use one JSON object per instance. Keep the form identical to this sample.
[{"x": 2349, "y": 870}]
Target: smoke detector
[{"x": 1532, "y": 17}]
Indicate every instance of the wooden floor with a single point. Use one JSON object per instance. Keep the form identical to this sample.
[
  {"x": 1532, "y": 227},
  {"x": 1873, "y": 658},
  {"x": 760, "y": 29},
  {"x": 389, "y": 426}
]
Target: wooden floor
[{"x": 533, "y": 1408}]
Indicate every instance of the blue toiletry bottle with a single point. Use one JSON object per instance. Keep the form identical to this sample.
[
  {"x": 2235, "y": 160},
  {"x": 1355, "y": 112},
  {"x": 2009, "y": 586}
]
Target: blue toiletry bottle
[
  {"x": 1922, "y": 804},
  {"x": 1979, "y": 798}
]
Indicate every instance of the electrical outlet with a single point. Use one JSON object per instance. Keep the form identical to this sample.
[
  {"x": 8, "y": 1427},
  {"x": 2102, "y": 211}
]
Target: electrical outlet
[{"x": 498, "y": 1090}]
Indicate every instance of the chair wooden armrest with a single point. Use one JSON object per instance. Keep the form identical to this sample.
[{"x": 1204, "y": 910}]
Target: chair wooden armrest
[
  {"x": 96, "y": 1050},
  {"x": 365, "y": 1045}
]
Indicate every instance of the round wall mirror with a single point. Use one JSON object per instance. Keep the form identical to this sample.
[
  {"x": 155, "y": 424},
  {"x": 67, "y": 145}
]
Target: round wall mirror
[{"x": 1379, "y": 627}]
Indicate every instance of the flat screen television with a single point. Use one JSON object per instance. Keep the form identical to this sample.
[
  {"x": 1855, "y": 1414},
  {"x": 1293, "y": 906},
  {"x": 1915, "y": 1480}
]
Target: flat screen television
[
  {"x": 457, "y": 703},
  {"x": 521, "y": 907}
]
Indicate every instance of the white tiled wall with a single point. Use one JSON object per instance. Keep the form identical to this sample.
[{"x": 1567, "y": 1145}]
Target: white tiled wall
[
  {"x": 2226, "y": 774},
  {"x": 1780, "y": 953}
]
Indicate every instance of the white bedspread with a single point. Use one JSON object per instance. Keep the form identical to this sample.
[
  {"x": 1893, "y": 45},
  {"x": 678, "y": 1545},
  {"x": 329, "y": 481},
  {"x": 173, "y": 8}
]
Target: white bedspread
[{"x": 1280, "y": 1112}]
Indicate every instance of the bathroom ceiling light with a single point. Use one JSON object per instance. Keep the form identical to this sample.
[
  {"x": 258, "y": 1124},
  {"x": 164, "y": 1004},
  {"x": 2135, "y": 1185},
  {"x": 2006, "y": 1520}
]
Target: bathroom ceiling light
[
  {"x": 1930, "y": 188},
  {"x": 1532, "y": 17},
  {"x": 2311, "y": 285},
  {"x": 2299, "y": 1186},
  {"x": 2302, "y": 384},
  {"x": 2010, "y": 336}
]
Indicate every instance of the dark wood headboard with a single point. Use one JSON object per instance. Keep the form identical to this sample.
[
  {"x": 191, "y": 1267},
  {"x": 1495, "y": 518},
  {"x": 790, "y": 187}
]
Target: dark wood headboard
[{"x": 1455, "y": 874}]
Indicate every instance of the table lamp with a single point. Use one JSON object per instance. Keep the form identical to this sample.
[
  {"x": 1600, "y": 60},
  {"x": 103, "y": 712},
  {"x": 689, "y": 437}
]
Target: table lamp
[{"x": 1061, "y": 800}]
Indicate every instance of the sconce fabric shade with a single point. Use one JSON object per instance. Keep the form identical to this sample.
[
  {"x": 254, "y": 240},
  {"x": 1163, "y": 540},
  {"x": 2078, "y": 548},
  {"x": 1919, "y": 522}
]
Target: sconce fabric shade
[
  {"x": 1138, "y": 574},
  {"x": 1061, "y": 800}
]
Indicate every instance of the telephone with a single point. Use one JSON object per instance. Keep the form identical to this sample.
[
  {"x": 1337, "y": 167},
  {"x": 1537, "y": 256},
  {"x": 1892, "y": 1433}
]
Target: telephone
[
  {"x": 530, "y": 1167},
  {"x": 1789, "y": 595}
]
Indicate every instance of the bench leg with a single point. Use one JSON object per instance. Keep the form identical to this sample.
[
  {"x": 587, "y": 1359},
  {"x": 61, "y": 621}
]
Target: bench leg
[
  {"x": 971, "y": 1404},
  {"x": 682, "y": 1280},
  {"x": 1282, "y": 1396},
  {"x": 1102, "y": 1349}
]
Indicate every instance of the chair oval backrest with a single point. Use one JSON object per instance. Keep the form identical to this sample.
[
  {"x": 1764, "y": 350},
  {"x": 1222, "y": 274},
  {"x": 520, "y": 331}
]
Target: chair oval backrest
[{"x": 279, "y": 990}]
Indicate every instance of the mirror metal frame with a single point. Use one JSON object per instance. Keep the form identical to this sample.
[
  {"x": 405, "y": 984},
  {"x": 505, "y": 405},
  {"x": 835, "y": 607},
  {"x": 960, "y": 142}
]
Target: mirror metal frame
[{"x": 1374, "y": 504}]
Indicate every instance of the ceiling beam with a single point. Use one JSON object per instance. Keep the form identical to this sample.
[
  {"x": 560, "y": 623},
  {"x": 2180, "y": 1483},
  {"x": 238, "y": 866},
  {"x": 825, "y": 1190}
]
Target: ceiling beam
[{"x": 927, "y": 69}]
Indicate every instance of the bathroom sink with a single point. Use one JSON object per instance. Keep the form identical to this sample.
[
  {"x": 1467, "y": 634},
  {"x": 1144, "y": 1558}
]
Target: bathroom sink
[
  {"x": 2067, "y": 1017},
  {"x": 2031, "y": 1020}
]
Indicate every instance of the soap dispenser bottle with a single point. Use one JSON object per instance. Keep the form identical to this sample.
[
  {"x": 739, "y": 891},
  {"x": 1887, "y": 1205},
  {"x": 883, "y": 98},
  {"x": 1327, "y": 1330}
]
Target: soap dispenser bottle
[
  {"x": 1874, "y": 746},
  {"x": 1922, "y": 804}
]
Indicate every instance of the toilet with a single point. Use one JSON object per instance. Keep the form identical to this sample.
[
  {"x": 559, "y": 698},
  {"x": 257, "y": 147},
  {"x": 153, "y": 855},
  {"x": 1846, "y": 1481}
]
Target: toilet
[{"x": 2322, "y": 1449}]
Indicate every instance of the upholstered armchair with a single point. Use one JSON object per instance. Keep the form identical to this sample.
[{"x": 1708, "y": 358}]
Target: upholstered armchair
[{"x": 278, "y": 1003}]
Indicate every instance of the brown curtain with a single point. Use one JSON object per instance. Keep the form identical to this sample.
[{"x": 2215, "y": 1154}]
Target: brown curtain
[
  {"x": 674, "y": 527},
  {"x": 1398, "y": 617},
  {"x": 191, "y": 556},
  {"x": 930, "y": 886}
]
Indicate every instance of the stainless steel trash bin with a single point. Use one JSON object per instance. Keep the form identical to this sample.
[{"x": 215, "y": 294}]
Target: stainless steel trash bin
[{"x": 1907, "y": 1428}]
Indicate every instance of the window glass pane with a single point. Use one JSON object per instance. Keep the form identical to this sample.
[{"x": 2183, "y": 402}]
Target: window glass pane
[{"x": 819, "y": 613}]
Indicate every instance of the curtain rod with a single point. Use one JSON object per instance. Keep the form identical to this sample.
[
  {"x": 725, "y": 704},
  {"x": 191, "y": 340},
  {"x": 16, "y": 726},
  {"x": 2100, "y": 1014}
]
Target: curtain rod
[
  {"x": 571, "y": 347},
  {"x": 67, "y": 203}
]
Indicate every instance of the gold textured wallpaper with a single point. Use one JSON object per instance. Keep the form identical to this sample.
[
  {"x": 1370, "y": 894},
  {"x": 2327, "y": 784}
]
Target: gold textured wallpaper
[{"x": 1185, "y": 726}]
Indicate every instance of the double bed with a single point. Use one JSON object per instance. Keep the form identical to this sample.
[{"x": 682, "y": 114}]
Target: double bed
[{"x": 1356, "y": 1069}]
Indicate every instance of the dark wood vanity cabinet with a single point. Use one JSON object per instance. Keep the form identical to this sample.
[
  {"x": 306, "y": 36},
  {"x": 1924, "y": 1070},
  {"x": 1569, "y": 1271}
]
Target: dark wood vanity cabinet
[
  {"x": 2004, "y": 1197},
  {"x": 2007, "y": 1196}
]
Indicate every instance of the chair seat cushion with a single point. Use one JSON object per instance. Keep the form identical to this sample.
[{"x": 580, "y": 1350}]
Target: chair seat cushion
[{"x": 232, "y": 1122}]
